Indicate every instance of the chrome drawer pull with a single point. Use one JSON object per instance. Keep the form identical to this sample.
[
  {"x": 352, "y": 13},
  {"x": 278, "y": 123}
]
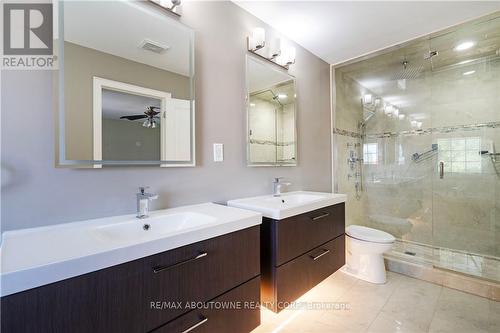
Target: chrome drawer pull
[
  {"x": 320, "y": 255},
  {"x": 159, "y": 269},
  {"x": 320, "y": 216},
  {"x": 195, "y": 325}
]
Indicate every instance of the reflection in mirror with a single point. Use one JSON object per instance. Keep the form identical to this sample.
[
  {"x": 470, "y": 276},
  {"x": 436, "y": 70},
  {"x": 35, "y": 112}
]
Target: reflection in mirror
[
  {"x": 271, "y": 115},
  {"x": 127, "y": 132},
  {"x": 126, "y": 90}
]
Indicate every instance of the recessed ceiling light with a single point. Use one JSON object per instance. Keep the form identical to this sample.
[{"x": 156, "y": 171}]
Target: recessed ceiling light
[
  {"x": 464, "y": 46},
  {"x": 469, "y": 73}
]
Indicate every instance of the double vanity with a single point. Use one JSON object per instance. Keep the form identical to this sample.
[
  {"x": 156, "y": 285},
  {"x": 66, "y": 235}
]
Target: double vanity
[{"x": 195, "y": 268}]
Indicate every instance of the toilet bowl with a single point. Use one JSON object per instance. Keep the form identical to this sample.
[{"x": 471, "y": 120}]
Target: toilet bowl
[{"x": 364, "y": 253}]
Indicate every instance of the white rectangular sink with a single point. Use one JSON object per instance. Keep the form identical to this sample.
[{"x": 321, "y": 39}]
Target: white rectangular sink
[
  {"x": 288, "y": 204},
  {"x": 37, "y": 256},
  {"x": 137, "y": 231}
]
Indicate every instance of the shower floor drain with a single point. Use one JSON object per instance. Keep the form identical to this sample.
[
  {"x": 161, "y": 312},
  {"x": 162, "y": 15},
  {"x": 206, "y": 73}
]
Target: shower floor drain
[{"x": 410, "y": 253}]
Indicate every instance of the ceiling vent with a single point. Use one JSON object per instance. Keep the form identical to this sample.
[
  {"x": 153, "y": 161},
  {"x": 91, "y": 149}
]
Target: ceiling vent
[{"x": 151, "y": 45}]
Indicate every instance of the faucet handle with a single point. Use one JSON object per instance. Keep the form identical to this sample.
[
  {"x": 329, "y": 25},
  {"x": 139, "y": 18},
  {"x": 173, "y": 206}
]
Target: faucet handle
[
  {"x": 143, "y": 188},
  {"x": 277, "y": 179}
]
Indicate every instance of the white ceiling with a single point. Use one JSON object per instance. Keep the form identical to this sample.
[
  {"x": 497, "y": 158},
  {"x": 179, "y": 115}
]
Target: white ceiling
[
  {"x": 119, "y": 27},
  {"x": 337, "y": 31}
]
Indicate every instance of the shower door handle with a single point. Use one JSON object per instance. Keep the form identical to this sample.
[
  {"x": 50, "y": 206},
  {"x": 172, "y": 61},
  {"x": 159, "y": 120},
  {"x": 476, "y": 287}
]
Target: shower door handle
[{"x": 441, "y": 170}]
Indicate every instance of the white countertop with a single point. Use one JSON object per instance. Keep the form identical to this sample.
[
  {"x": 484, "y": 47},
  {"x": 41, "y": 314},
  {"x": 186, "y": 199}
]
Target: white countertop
[
  {"x": 34, "y": 257},
  {"x": 288, "y": 203}
]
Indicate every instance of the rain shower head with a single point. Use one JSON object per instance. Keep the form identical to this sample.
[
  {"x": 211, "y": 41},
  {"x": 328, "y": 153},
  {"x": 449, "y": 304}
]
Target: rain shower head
[{"x": 409, "y": 71}]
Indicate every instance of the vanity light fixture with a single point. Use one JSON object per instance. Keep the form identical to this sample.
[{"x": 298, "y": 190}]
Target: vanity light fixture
[
  {"x": 278, "y": 55},
  {"x": 169, "y": 5},
  {"x": 468, "y": 73},
  {"x": 464, "y": 46}
]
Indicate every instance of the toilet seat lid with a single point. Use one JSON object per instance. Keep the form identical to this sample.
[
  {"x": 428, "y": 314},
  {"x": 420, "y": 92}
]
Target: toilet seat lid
[{"x": 369, "y": 234}]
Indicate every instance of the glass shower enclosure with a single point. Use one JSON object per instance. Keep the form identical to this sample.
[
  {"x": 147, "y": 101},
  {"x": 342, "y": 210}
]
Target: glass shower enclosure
[{"x": 417, "y": 131}]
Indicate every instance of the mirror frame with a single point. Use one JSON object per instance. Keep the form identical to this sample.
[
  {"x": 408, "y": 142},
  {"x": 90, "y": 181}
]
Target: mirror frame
[
  {"x": 250, "y": 57},
  {"x": 58, "y": 98}
]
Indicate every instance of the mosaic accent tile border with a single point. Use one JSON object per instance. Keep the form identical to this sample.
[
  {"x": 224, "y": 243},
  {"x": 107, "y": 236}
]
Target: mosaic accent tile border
[
  {"x": 426, "y": 131},
  {"x": 271, "y": 143},
  {"x": 346, "y": 133}
]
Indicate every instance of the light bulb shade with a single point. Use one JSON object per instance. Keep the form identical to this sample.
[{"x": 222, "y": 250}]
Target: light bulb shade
[
  {"x": 258, "y": 39},
  {"x": 388, "y": 109},
  {"x": 274, "y": 48},
  {"x": 395, "y": 112},
  {"x": 413, "y": 123},
  {"x": 290, "y": 55},
  {"x": 367, "y": 99},
  {"x": 401, "y": 116}
]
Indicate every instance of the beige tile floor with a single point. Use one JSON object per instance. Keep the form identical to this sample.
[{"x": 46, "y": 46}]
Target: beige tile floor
[{"x": 403, "y": 304}]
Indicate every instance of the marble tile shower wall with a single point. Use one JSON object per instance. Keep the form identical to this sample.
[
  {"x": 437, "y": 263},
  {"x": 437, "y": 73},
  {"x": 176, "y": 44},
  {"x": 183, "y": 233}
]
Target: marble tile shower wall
[
  {"x": 408, "y": 199},
  {"x": 263, "y": 131}
]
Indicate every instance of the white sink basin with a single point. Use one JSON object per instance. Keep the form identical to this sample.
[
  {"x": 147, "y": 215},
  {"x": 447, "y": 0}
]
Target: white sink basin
[
  {"x": 38, "y": 256},
  {"x": 288, "y": 204},
  {"x": 141, "y": 230}
]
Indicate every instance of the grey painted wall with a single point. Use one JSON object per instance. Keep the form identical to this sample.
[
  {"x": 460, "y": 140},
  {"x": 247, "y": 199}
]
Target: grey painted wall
[{"x": 36, "y": 193}]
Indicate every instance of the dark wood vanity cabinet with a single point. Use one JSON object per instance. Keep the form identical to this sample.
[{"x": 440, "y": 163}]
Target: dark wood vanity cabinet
[
  {"x": 165, "y": 292},
  {"x": 299, "y": 252}
]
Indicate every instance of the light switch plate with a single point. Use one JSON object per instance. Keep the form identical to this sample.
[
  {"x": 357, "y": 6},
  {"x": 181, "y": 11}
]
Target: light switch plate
[{"x": 218, "y": 152}]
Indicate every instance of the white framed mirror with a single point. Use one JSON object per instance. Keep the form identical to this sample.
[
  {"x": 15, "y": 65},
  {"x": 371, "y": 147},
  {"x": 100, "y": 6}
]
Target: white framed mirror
[
  {"x": 271, "y": 115},
  {"x": 126, "y": 91}
]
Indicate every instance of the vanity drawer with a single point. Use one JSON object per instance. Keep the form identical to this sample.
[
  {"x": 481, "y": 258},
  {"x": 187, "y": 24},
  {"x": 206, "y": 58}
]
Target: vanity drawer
[
  {"x": 297, "y": 235},
  {"x": 199, "y": 272},
  {"x": 296, "y": 277},
  {"x": 243, "y": 317}
]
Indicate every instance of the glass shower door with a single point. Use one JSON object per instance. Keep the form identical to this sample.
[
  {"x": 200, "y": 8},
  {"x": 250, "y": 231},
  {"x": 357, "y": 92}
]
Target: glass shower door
[{"x": 465, "y": 103}]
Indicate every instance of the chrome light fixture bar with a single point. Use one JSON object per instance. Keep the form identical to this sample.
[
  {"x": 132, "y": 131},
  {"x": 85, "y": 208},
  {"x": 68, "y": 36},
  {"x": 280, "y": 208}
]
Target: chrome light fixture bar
[
  {"x": 168, "y": 5},
  {"x": 281, "y": 55}
]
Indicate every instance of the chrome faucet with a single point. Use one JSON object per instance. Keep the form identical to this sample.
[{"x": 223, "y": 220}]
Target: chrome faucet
[
  {"x": 143, "y": 200},
  {"x": 277, "y": 184}
]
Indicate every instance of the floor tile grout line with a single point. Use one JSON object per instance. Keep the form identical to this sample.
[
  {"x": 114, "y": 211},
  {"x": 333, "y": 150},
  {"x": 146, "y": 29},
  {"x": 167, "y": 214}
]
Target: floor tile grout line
[
  {"x": 435, "y": 308},
  {"x": 387, "y": 301}
]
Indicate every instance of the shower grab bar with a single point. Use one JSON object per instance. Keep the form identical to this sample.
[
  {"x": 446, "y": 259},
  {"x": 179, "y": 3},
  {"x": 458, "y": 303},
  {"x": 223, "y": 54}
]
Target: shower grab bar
[{"x": 416, "y": 157}]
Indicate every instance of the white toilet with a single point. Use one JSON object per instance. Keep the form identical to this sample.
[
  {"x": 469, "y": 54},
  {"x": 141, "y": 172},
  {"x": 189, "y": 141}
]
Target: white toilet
[{"x": 364, "y": 253}]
